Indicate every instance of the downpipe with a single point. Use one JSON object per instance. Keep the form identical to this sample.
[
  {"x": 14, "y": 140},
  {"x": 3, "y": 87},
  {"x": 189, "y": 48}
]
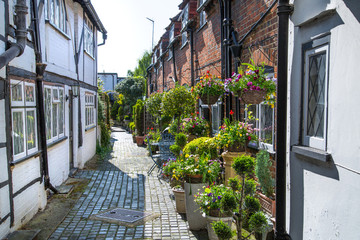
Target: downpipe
[{"x": 17, "y": 49}]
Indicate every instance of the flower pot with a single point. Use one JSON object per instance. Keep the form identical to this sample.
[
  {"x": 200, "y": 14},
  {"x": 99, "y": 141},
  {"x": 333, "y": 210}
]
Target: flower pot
[
  {"x": 140, "y": 140},
  {"x": 252, "y": 96},
  {"x": 209, "y": 99},
  {"x": 267, "y": 204},
  {"x": 237, "y": 147},
  {"x": 210, "y": 219},
  {"x": 228, "y": 161},
  {"x": 193, "y": 214},
  {"x": 179, "y": 200},
  {"x": 194, "y": 178}
]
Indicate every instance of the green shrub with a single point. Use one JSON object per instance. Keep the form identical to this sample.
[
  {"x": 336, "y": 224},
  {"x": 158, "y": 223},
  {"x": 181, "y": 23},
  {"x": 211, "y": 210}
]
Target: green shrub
[
  {"x": 228, "y": 202},
  {"x": 222, "y": 230},
  {"x": 139, "y": 117},
  {"x": 250, "y": 187},
  {"x": 181, "y": 139},
  {"x": 175, "y": 149},
  {"x": 257, "y": 222},
  {"x": 252, "y": 204},
  {"x": 244, "y": 165},
  {"x": 114, "y": 110},
  {"x": 132, "y": 126},
  {"x": 262, "y": 171},
  {"x": 200, "y": 146}
]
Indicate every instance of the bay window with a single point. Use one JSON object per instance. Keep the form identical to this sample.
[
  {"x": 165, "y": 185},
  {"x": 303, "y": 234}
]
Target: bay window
[{"x": 23, "y": 115}]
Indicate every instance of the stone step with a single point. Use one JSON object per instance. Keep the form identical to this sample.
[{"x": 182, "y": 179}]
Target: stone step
[{"x": 23, "y": 235}]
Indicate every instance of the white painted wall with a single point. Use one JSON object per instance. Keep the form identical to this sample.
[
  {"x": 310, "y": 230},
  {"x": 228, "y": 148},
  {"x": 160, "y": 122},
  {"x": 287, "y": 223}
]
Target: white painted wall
[
  {"x": 58, "y": 156},
  {"x": 323, "y": 199}
]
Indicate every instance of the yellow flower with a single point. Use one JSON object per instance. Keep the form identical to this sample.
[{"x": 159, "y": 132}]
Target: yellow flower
[
  {"x": 187, "y": 155},
  {"x": 207, "y": 190},
  {"x": 209, "y": 171}
]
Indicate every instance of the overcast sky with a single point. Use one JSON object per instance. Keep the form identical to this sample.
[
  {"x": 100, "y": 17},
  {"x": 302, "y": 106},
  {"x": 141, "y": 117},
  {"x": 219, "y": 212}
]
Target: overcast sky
[{"x": 129, "y": 32}]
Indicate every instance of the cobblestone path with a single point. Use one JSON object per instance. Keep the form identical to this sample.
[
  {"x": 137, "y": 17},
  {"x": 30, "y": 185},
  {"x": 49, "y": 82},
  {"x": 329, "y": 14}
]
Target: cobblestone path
[{"x": 121, "y": 181}]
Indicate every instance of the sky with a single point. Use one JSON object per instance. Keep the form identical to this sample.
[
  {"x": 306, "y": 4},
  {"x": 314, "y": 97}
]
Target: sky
[{"x": 129, "y": 32}]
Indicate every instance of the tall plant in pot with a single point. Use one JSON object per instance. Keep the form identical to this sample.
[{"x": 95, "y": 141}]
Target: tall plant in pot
[{"x": 138, "y": 110}]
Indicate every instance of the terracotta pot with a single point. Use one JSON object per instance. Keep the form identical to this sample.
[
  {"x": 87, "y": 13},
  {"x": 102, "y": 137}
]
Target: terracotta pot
[
  {"x": 253, "y": 96},
  {"x": 228, "y": 161},
  {"x": 194, "y": 178},
  {"x": 267, "y": 204},
  {"x": 140, "y": 140},
  {"x": 209, "y": 99},
  {"x": 179, "y": 200},
  {"x": 210, "y": 220}
]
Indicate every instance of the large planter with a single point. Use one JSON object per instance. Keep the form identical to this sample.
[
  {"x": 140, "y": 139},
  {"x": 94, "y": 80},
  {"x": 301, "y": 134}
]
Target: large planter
[
  {"x": 179, "y": 200},
  {"x": 253, "y": 96},
  {"x": 210, "y": 220},
  {"x": 267, "y": 204},
  {"x": 209, "y": 99},
  {"x": 228, "y": 161},
  {"x": 193, "y": 214},
  {"x": 140, "y": 140}
]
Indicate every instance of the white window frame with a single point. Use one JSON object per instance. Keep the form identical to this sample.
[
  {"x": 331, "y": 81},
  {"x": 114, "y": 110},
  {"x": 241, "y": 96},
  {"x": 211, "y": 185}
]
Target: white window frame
[
  {"x": 89, "y": 46},
  {"x": 55, "y": 13},
  {"x": 312, "y": 141},
  {"x": 202, "y": 18},
  {"x": 172, "y": 33},
  {"x": 55, "y": 101},
  {"x": 183, "y": 38},
  {"x": 89, "y": 110},
  {"x": 170, "y": 53},
  {"x": 24, "y": 107},
  {"x": 185, "y": 17},
  {"x": 218, "y": 104}
]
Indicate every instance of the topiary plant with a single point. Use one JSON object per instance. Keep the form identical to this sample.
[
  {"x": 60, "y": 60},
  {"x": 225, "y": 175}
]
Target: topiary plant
[
  {"x": 181, "y": 139},
  {"x": 200, "y": 146},
  {"x": 139, "y": 117},
  {"x": 222, "y": 230},
  {"x": 262, "y": 171},
  {"x": 175, "y": 149}
]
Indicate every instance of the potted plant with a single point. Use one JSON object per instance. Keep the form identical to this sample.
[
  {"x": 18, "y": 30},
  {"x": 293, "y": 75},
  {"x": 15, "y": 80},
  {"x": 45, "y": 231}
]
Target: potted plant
[
  {"x": 153, "y": 136},
  {"x": 217, "y": 202},
  {"x": 222, "y": 230},
  {"x": 263, "y": 174},
  {"x": 195, "y": 127},
  {"x": 251, "y": 84},
  {"x": 209, "y": 88},
  {"x": 199, "y": 171},
  {"x": 179, "y": 194},
  {"x": 233, "y": 137},
  {"x": 153, "y": 106},
  {"x": 139, "y": 122}
]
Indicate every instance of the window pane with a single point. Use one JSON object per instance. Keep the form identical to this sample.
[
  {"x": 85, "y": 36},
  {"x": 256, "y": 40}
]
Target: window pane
[
  {"x": 266, "y": 120},
  {"x": 316, "y": 95},
  {"x": 29, "y": 93},
  {"x": 18, "y": 132},
  {"x": 183, "y": 38},
  {"x": 215, "y": 117},
  {"x": 61, "y": 111},
  {"x": 16, "y": 92},
  {"x": 30, "y": 129},
  {"x": 55, "y": 120},
  {"x": 52, "y": 11},
  {"x": 48, "y": 112},
  {"x": 251, "y": 114},
  {"x": 57, "y": 15}
]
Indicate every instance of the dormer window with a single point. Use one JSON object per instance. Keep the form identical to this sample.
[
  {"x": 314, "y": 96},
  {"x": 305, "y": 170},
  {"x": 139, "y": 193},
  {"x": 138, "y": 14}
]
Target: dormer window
[{"x": 185, "y": 17}]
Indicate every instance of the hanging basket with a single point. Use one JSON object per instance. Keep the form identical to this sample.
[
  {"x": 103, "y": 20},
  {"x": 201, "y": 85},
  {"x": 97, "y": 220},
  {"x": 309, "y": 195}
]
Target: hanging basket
[
  {"x": 209, "y": 99},
  {"x": 252, "y": 96}
]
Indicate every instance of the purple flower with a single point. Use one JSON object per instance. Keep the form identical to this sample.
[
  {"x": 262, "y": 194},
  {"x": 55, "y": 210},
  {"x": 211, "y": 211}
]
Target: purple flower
[
  {"x": 214, "y": 200},
  {"x": 257, "y": 71},
  {"x": 210, "y": 194},
  {"x": 249, "y": 84},
  {"x": 219, "y": 197}
]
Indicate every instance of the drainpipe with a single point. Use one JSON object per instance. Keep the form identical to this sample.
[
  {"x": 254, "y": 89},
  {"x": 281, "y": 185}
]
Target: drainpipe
[
  {"x": 227, "y": 22},
  {"x": 191, "y": 32},
  {"x": 104, "y": 36},
  {"x": 163, "y": 73},
  {"x": 284, "y": 11},
  {"x": 40, "y": 69},
  {"x": 17, "y": 48},
  {"x": 174, "y": 63},
  {"x": 221, "y": 7}
]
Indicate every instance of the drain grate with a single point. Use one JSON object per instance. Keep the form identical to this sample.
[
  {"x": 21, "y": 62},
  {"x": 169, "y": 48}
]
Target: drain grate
[{"x": 127, "y": 217}]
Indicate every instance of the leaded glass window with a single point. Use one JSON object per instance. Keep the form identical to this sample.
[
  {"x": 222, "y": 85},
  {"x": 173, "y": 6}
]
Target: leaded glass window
[{"x": 18, "y": 132}]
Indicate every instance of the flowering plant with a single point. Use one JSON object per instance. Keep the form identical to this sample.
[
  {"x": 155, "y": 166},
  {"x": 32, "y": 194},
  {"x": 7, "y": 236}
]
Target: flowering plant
[
  {"x": 235, "y": 133},
  {"x": 209, "y": 85},
  {"x": 195, "y": 126},
  {"x": 212, "y": 198},
  {"x": 173, "y": 169},
  {"x": 251, "y": 79}
]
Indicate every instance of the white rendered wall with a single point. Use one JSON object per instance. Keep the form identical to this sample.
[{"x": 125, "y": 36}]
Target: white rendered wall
[
  {"x": 58, "y": 156},
  {"x": 323, "y": 198}
]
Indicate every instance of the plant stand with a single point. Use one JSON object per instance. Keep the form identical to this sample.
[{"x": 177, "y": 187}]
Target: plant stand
[
  {"x": 179, "y": 200},
  {"x": 209, "y": 219},
  {"x": 194, "y": 216},
  {"x": 228, "y": 161}
]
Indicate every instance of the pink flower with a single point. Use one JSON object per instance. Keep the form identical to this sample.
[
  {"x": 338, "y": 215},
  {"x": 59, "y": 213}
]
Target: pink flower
[
  {"x": 249, "y": 138},
  {"x": 249, "y": 84}
]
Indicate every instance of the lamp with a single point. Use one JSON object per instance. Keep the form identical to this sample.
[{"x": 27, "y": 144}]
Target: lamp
[{"x": 75, "y": 90}]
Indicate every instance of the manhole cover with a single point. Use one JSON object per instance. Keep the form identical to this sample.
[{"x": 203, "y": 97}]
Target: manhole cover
[{"x": 127, "y": 217}]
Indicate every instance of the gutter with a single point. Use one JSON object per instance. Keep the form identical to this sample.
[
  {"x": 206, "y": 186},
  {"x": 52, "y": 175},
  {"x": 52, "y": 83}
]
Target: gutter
[
  {"x": 17, "y": 49},
  {"x": 284, "y": 11}
]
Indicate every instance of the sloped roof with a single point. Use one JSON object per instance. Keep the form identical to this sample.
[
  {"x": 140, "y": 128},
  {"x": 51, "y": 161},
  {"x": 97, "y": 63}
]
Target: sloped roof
[{"x": 90, "y": 10}]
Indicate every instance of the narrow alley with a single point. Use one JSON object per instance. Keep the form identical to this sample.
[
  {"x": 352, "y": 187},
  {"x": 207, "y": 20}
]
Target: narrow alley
[{"x": 121, "y": 181}]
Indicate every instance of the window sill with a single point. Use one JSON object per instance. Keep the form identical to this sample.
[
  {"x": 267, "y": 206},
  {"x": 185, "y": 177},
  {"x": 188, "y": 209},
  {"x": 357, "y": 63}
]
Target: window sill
[
  {"x": 52, "y": 144},
  {"x": 89, "y": 128},
  {"x": 33, "y": 155},
  {"x": 87, "y": 53},
  {"x": 201, "y": 27},
  {"x": 58, "y": 29},
  {"x": 184, "y": 45},
  {"x": 203, "y": 6},
  {"x": 312, "y": 154}
]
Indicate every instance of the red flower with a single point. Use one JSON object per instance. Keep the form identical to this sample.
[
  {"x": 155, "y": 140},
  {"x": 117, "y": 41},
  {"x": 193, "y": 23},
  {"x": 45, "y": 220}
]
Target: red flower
[
  {"x": 152, "y": 128},
  {"x": 197, "y": 113},
  {"x": 249, "y": 138},
  {"x": 231, "y": 112}
]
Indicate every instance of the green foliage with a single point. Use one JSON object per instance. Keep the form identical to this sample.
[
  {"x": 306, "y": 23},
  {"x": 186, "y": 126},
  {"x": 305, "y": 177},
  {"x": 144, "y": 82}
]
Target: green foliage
[
  {"x": 107, "y": 103},
  {"x": 153, "y": 104},
  {"x": 250, "y": 187},
  {"x": 262, "y": 171},
  {"x": 209, "y": 85},
  {"x": 200, "y": 146},
  {"x": 257, "y": 221},
  {"x": 222, "y": 230},
  {"x": 143, "y": 63},
  {"x": 252, "y": 204},
  {"x": 228, "y": 202},
  {"x": 114, "y": 110},
  {"x": 175, "y": 149},
  {"x": 234, "y": 183},
  {"x": 195, "y": 126},
  {"x": 132, "y": 126},
  {"x": 104, "y": 128},
  {"x": 132, "y": 89},
  {"x": 139, "y": 117},
  {"x": 178, "y": 102},
  {"x": 120, "y": 114},
  {"x": 244, "y": 165},
  {"x": 180, "y": 140}
]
